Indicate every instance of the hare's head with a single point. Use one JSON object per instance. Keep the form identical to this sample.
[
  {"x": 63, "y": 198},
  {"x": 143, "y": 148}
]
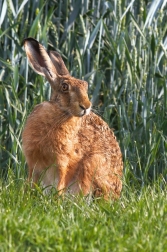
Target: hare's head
[{"x": 68, "y": 92}]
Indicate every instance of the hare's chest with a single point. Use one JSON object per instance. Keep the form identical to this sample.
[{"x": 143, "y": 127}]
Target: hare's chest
[{"x": 65, "y": 140}]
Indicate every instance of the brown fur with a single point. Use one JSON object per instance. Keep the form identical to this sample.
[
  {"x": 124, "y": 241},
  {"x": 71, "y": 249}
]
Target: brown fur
[{"x": 63, "y": 143}]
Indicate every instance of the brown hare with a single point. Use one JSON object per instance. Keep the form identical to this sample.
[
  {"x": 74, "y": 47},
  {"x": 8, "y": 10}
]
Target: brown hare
[{"x": 65, "y": 144}]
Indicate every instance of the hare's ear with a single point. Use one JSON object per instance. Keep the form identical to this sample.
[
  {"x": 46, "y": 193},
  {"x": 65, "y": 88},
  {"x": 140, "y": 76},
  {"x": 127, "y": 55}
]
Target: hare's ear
[
  {"x": 58, "y": 63},
  {"x": 39, "y": 59}
]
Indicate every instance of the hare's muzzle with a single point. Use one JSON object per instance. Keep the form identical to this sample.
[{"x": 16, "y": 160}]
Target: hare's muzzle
[{"x": 84, "y": 110}]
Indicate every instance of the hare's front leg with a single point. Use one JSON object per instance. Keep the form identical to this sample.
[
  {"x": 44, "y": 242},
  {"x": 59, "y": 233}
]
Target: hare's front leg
[
  {"x": 42, "y": 172},
  {"x": 68, "y": 170},
  {"x": 62, "y": 171},
  {"x": 33, "y": 172},
  {"x": 33, "y": 176},
  {"x": 62, "y": 165}
]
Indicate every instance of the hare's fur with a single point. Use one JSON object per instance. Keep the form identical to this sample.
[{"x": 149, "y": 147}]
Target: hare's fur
[{"x": 65, "y": 144}]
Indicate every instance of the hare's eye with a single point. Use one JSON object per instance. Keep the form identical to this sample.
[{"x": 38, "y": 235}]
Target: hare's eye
[{"x": 64, "y": 87}]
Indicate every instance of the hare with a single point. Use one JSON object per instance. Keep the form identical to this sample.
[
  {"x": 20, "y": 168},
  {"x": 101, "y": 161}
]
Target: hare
[{"x": 65, "y": 144}]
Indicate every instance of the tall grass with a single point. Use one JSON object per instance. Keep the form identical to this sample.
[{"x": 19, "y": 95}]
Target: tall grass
[{"x": 119, "y": 47}]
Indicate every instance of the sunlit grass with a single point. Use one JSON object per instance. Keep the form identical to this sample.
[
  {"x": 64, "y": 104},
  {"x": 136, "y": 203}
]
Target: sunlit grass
[{"x": 31, "y": 221}]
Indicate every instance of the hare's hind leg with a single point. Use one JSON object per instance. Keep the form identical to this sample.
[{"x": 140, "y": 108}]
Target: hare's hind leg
[
  {"x": 98, "y": 177},
  {"x": 88, "y": 169}
]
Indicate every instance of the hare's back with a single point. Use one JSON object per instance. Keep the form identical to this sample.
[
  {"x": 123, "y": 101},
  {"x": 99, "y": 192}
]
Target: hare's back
[
  {"x": 98, "y": 140},
  {"x": 103, "y": 158},
  {"x": 98, "y": 134}
]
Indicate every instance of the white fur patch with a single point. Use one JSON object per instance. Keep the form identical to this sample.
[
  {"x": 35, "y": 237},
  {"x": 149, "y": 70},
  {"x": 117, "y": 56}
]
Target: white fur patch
[{"x": 88, "y": 111}]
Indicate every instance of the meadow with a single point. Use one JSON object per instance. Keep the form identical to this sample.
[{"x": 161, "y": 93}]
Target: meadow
[{"x": 119, "y": 47}]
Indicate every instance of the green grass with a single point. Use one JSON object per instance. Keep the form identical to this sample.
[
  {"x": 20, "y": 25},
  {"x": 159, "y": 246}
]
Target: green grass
[
  {"x": 33, "y": 222},
  {"x": 119, "y": 47}
]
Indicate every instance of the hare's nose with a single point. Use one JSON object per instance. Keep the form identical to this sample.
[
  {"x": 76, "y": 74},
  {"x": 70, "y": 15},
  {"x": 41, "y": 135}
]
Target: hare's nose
[
  {"x": 83, "y": 108},
  {"x": 85, "y": 111}
]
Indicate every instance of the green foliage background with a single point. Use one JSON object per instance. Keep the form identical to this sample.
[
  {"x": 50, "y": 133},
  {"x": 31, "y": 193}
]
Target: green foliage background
[{"x": 119, "y": 47}]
